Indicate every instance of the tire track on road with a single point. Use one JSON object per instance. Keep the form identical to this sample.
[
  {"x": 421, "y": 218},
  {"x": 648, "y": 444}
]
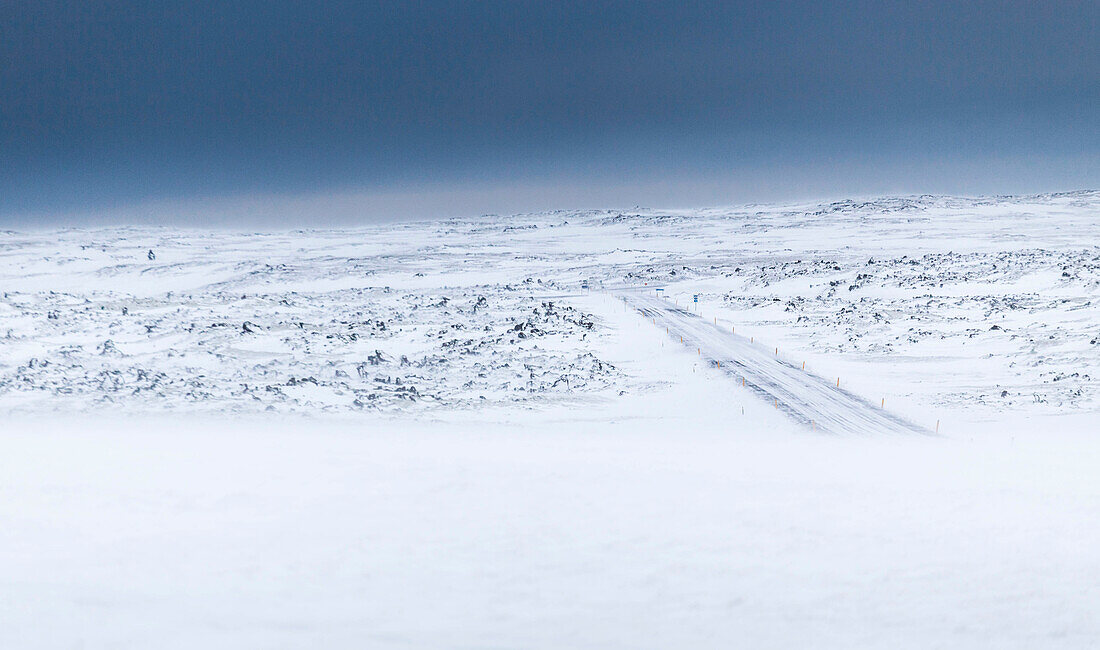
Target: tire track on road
[{"x": 804, "y": 396}]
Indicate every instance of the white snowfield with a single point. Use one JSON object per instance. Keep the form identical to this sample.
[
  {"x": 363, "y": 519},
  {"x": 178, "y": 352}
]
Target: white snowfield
[
  {"x": 946, "y": 308},
  {"x": 457, "y": 434}
]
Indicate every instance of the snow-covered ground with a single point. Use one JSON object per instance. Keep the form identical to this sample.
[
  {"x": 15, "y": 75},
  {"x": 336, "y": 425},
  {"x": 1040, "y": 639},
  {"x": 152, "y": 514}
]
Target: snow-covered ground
[
  {"x": 948, "y": 308},
  {"x": 566, "y": 530},
  {"x": 455, "y": 434}
]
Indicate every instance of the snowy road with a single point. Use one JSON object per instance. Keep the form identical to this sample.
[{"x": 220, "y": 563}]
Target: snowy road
[{"x": 804, "y": 396}]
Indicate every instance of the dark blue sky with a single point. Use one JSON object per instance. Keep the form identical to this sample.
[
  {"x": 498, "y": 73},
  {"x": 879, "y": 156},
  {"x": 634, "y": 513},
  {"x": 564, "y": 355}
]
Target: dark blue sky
[{"x": 429, "y": 107}]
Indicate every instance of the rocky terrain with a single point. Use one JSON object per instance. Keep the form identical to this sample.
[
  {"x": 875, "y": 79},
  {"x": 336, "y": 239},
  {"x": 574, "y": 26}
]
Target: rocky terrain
[{"x": 988, "y": 303}]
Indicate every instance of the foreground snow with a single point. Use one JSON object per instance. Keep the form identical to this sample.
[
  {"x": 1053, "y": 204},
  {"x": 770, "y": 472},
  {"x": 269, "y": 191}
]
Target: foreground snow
[{"x": 566, "y": 530}]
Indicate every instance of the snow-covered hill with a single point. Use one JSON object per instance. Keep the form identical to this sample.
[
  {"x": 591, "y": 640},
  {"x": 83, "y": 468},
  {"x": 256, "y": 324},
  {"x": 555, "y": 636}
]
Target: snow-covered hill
[{"x": 981, "y": 307}]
